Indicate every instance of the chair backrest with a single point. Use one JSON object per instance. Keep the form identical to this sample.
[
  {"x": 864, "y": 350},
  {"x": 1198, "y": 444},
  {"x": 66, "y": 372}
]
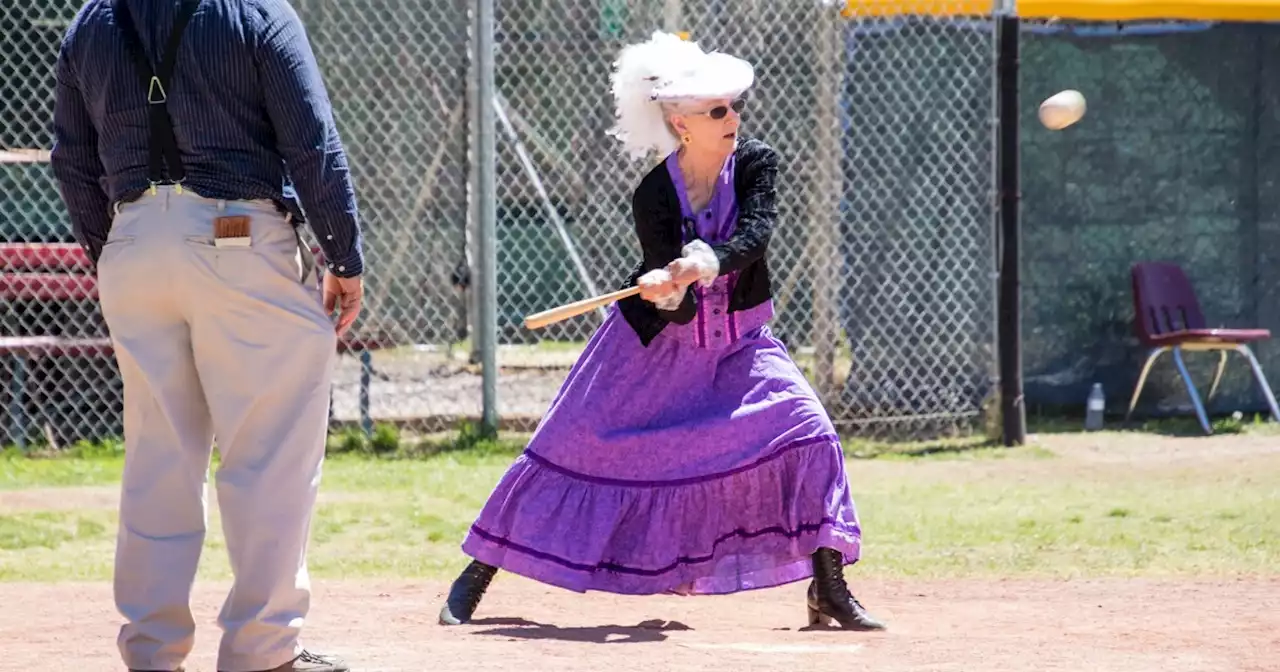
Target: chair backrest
[{"x": 1163, "y": 300}]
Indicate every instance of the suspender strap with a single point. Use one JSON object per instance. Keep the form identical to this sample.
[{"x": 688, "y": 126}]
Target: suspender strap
[{"x": 163, "y": 145}]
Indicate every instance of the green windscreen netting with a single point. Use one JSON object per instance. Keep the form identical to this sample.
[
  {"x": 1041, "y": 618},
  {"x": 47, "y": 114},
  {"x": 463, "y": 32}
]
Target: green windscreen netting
[{"x": 1175, "y": 161}]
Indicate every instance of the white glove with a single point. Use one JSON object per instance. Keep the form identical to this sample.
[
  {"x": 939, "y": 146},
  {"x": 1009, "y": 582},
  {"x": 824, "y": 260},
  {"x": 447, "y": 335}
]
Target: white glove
[
  {"x": 698, "y": 264},
  {"x": 657, "y": 288}
]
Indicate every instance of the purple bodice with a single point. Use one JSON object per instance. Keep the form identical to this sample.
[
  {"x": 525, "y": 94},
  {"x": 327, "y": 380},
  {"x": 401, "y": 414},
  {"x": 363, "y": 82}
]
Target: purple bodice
[{"x": 715, "y": 326}]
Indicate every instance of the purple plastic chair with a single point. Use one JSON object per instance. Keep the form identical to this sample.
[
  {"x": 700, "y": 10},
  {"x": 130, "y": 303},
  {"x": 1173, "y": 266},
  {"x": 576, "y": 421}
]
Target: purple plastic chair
[{"x": 1168, "y": 318}]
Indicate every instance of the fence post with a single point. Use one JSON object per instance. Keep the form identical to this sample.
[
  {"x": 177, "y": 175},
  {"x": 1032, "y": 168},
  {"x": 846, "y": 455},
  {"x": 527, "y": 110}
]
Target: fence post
[
  {"x": 824, "y": 201},
  {"x": 1012, "y": 407},
  {"x": 487, "y": 283},
  {"x": 471, "y": 237}
]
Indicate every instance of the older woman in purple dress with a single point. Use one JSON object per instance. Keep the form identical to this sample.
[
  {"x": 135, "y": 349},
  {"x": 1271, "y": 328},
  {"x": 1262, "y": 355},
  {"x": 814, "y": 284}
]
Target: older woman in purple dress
[{"x": 685, "y": 452}]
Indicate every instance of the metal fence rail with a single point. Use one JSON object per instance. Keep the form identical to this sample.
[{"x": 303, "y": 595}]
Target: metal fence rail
[{"x": 883, "y": 259}]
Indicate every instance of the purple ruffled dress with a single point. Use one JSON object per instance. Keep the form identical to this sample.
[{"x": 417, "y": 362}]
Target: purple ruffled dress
[{"x": 702, "y": 464}]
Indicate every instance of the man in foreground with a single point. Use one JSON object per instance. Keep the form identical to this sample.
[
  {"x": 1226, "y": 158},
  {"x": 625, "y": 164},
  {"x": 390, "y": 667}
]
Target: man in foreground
[{"x": 182, "y": 128}]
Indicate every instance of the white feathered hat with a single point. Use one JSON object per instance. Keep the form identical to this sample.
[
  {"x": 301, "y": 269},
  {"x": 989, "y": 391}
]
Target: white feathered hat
[{"x": 667, "y": 68}]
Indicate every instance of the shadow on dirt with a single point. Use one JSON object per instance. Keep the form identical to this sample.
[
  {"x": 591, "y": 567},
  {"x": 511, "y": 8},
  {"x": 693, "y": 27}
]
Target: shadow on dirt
[{"x": 519, "y": 628}]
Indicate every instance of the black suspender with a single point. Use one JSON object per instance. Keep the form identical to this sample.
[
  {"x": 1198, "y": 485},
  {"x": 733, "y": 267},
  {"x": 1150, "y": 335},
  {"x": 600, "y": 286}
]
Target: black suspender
[{"x": 163, "y": 144}]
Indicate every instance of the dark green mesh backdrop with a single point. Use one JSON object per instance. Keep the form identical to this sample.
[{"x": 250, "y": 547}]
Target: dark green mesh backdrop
[{"x": 1174, "y": 161}]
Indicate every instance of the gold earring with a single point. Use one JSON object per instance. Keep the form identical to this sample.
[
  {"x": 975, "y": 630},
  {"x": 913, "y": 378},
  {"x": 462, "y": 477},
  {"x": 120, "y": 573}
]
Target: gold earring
[{"x": 686, "y": 138}]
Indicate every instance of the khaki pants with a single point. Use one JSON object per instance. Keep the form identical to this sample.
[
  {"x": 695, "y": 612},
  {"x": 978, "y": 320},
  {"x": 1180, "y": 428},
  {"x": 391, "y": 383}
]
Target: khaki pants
[{"x": 212, "y": 342}]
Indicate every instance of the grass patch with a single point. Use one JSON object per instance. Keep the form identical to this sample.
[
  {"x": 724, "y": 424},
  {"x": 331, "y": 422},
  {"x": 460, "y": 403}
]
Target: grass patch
[
  {"x": 57, "y": 545},
  {"x": 24, "y": 472},
  {"x": 49, "y": 529},
  {"x": 399, "y": 506},
  {"x": 1074, "y": 524}
]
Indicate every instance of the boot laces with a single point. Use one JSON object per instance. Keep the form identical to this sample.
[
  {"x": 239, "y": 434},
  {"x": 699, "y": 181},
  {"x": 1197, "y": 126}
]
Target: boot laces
[
  {"x": 476, "y": 581},
  {"x": 839, "y": 588}
]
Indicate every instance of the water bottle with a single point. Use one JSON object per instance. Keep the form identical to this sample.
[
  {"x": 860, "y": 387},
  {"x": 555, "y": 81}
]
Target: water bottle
[{"x": 1097, "y": 404}]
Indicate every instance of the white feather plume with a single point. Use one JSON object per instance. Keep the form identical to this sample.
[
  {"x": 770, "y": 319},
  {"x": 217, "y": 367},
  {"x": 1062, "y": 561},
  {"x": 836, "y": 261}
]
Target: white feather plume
[{"x": 640, "y": 124}]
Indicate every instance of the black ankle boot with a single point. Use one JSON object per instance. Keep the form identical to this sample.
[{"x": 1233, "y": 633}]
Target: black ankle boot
[
  {"x": 829, "y": 597},
  {"x": 465, "y": 594}
]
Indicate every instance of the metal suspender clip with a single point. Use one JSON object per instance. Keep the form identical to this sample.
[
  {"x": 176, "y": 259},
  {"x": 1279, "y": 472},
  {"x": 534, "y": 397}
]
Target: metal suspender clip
[
  {"x": 156, "y": 85},
  {"x": 163, "y": 144}
]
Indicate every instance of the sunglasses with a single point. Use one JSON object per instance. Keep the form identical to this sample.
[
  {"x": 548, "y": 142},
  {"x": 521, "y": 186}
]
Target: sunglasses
[{"x": 721, "y": 111}]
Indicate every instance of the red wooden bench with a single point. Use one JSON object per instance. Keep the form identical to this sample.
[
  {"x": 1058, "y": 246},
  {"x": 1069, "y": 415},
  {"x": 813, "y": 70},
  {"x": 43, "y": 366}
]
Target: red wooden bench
[
  {"x": 46, "y": 274},
  {"x": 61, "y": 272}
]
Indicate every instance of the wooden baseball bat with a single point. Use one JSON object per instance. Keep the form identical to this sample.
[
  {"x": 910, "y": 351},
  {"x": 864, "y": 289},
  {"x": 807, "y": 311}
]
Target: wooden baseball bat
[{"x": 568, "y": 310}]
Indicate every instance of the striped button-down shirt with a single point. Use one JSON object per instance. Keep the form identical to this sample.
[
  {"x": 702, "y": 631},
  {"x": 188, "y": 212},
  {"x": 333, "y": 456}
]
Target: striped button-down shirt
[{"x": 250, "y": 113}]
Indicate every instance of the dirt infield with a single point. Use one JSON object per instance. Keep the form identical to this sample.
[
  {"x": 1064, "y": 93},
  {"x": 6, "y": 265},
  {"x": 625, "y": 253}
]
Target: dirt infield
[
  {"x": 964, "y": 625},
  {"x": 1014, "y": 626}
]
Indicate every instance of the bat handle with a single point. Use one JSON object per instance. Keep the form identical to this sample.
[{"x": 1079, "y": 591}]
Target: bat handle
[{"x": 560, "y": 313}]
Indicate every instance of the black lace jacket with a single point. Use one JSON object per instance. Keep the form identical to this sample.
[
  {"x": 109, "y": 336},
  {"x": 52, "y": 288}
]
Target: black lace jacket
[{"x": 658, "y": 219}]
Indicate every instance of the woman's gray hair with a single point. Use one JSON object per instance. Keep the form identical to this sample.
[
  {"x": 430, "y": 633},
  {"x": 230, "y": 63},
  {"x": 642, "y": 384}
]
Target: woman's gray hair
[{"x": 654, "y": 79}]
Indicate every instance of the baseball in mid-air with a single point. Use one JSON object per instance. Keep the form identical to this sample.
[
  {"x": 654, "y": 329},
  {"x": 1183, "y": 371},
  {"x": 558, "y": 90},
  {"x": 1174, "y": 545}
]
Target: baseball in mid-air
[{"x": 1062, "y": 109}]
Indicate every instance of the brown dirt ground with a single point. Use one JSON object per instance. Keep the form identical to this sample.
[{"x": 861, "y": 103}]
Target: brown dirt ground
[
  {"x": 1105, "y": 625},
  {"x": 1011, "y": 626}
]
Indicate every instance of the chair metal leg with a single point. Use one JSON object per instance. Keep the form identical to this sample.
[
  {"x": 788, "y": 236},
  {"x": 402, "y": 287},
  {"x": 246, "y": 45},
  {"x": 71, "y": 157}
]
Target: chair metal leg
[
  {"x": 1191, "y": 389},
  {"x": 1217, "y": 377},
  {"x": 1262, "y": 381},
  {"x": 1142, "y": 379}
]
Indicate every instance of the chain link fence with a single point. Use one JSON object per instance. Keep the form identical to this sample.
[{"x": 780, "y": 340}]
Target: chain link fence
[
  {"x": 45, "y": 397},
  {"x": 883, "y": 259},
  {"x": 883, "y": 254},
  {"x": 918, "y": 298}
]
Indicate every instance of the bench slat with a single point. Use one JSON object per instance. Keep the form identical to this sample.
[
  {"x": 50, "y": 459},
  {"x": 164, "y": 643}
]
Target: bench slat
[
  {"x": 48, "y": 287},
  {"x": 55, "y": 346},
  {"x": 43, "y": 257}
]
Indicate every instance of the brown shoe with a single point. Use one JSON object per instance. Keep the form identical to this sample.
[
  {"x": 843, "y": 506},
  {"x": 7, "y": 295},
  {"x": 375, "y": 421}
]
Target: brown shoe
[{"x": 313, "y": 662}]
